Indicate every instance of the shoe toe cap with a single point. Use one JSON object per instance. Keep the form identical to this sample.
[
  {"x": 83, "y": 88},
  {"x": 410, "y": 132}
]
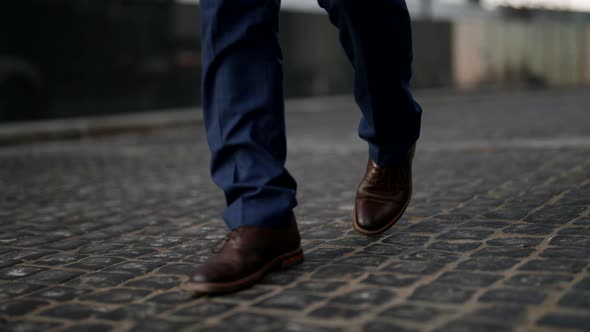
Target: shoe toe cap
[{"x": 373, "y": 215}]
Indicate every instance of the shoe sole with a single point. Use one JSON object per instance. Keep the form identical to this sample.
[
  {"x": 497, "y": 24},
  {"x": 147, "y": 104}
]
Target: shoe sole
[
  {"x": 383, "y": 229},
  {"x": 281, "y": 262}
]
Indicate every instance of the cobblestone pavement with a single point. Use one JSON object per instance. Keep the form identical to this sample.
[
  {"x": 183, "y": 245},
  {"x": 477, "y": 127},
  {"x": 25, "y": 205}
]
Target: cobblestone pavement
[{"x": 97, "y": 235}]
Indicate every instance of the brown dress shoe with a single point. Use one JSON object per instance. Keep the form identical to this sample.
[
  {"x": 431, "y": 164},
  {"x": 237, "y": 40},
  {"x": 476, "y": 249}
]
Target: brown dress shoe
[
  {"x": 248, "y": 254},
  {"x": 382, "y": 196}
]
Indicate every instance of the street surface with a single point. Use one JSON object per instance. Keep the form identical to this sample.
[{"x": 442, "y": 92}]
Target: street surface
[{"x": 98, "y": 234}]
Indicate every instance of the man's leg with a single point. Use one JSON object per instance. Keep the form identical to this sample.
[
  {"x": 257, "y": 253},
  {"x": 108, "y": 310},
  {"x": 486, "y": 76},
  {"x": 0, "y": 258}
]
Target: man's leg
[
  {"x": 376, "y": 36},
  {"x": 244, "y": 112},
  {"x": 244, "y": 119}
]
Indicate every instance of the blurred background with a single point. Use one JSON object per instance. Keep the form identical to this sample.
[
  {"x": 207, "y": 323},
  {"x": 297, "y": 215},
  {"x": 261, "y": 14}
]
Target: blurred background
[{"x": 64, "y": 58}]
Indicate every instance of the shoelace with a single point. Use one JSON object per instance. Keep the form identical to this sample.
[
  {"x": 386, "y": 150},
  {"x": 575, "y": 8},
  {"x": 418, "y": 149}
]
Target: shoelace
[{"x": 217, "y": 248}]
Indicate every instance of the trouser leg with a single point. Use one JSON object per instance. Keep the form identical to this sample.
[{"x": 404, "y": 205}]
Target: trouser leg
[
  {"x": 244, "y": 111},
  {"x": 376, "y": 36}
]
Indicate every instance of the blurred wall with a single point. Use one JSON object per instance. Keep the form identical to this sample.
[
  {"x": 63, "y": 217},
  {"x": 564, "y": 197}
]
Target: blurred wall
[
  {"x": 113, "y": 56},
  {"x": 463, "y": 53},
  {"x": 586, "y": 56},
  {"x": 501, "y": 52}
]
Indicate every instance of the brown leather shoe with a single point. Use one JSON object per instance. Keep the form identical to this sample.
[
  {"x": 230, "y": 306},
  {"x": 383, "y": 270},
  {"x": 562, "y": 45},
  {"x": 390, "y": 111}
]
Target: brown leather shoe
[
  {"x": 382, "y": 196},
  {"x": 248, "y": 254}
]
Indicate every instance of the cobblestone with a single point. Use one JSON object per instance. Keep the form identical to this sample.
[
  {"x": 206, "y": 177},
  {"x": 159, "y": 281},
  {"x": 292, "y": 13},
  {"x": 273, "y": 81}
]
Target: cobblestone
[{"x": 100, "y": 234}]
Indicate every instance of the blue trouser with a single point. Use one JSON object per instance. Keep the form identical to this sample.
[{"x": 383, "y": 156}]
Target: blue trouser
[{"x": 243, "y": 97}]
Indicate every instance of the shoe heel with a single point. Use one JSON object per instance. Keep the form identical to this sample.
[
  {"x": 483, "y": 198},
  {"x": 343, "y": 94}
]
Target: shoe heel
[{"x": 292, "y": 259}]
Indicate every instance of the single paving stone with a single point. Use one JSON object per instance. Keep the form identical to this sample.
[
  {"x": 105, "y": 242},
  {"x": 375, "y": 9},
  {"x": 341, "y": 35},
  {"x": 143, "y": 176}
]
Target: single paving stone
[
  {"x": 20, "y": 307},
  {"x": 566, "y": 321},
  {"x": 280, "y": 278},
  {"x": 414, "y": 312},
  {"x": 198, "y": 259},
  {"x": 529, "y": 229},
  {"x": 335, "y": 311},
  {"x": 28, "y": 255},
  {"x": 488, "y": 263},
  {"x": 513, "y": 252},
  {"x": 571, "y": 241},
  {"x": 370, "y": 296},
  {"x": 116, "y": 295},
  {"x": 60, "y": 294},
  {"x": 59, "y": 259},
  {"x": 155, "y": 282},
  {"x": 454, "y": 217},
  {"x": 539, "y": 281},
  {"x": 554, "y": 265},
  {"x": 555, "y": 214},
  {"x": 241, "y": 319},
  {"x": 158, "y": 325},
  {"x": 579, "y": 231},
  {"x": 382, "y": 249},
  {"x": 414, "y": 267},
  {"x": 73, "y": 311},
  {"x": 465, "y": 234},
  {"x": 389, "y": 280},
  {"x": 66, "y": 244},
  {"x": 349, "y": 241},
  {"x": 385, "y": 327},
  {"x": 34, "y": 240},
  {"x": 294, "y": 326},
  {"x": 507, "y": 213},
  {"x": 427, "y": 226},
  {"x": 249, "y": 294},
  {"x": 469, "y": 326},
  {"x": 406, "y": 240},
  {"x": 494, "y": 224},
  {"x": 455, "y": 246},
  {"x": 322, "y": 234},
  {"x": 100, "y": 280},
  {"x": 132, "y": 252},
  {"x": 204, "y": 310},
  {"x": 578, "y": 299},
  {"x": 52, "y": 276},
  {"x": 345, "y": 272},
  {"x": 316, "y": 286},
  {"x": 163, "y": 257},
  {"x": 132, "y": 311},
  {"x": 431, "y": 256},
  {"x": 584, "y": 284},
  {"x": 14, "y": 289},
  {"x": 467, "y": 279},
  {"x": 363, "y": 260},
  {"x": 95, "y": 236},
  {"x": 327, "y": 253},
  {"x": 177, "y": 269},
  {"x": 27, "y": 326},
  {"x": 100, "y": 248},
  {"x": 89, "y": 327},
  {"x": 512, "y": 295},
  {"x": 289, "y": 300},
  {"x": 502, "y": 313},
  {"x": 515, "y": 242},
  {"x": 172, "y": 298},
  {"x": 567, "y": 253},
  {"x": 17, "y": 272},
  {"x": 95, "y": 263},
  {"x": 133, "y": 267},
  {"x": 442, "y": 294},
  {"x": 6, "y": 262}
]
